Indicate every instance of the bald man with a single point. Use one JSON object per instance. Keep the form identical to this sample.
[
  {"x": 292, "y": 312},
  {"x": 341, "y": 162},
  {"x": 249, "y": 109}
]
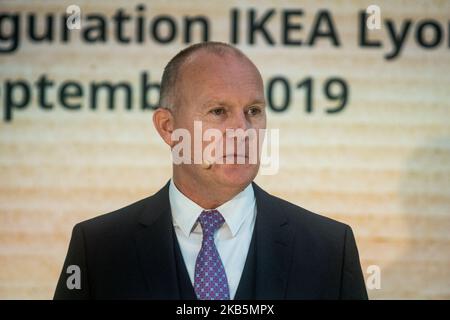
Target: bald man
[{"x": 211, "y": 233}]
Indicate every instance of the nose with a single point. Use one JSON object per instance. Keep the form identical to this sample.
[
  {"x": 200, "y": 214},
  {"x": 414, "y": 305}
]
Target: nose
[
  {"x": 236, "y": 140},
  {"x": 239, "y": 121}
]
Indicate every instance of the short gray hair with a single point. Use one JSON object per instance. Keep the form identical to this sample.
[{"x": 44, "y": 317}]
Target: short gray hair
[{"x": 170, "y": 77}]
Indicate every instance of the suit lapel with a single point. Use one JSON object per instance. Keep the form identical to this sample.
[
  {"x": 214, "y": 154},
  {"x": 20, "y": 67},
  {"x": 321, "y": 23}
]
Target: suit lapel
[
  {"x": 274, "y": 247},
  {"x": 154, "y": 242}
]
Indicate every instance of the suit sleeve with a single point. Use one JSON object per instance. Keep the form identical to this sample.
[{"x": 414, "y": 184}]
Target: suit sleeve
[
  {"x": 352, "y": 285},
  {"x": 73, "y": 282}
]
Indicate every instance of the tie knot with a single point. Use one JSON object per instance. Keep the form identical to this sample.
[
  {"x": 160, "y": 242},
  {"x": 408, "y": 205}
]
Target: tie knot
[{"x": 210, "y": 220}]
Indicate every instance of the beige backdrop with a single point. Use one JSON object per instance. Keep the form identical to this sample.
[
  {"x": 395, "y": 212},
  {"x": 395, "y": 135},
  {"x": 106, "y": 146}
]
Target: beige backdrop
[{"x": 382, "y": 165}]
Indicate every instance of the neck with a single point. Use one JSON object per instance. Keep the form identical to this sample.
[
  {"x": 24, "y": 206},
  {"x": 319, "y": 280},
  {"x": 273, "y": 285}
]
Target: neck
[{"x": 207, "y": 196}]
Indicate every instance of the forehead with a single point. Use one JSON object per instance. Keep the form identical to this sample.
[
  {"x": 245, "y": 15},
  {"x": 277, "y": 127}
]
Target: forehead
[{"x": 226, "y": 76}]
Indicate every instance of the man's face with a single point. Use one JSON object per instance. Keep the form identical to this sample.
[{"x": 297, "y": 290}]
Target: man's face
[{"x": 223, "y": 92}]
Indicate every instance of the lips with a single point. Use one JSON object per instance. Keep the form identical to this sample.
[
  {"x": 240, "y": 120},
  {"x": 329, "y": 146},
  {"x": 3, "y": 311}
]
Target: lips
[{"x": 234, "y": 155}]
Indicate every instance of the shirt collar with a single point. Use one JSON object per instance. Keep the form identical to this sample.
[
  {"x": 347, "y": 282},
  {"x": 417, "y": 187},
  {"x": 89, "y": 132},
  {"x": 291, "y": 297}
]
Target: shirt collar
[{"x": 185, "y": 211}]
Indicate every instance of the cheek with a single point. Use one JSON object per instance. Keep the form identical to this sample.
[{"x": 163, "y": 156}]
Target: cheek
[
  {"x": 183, "y": 122},
  {"x": 261, "y": 122}
]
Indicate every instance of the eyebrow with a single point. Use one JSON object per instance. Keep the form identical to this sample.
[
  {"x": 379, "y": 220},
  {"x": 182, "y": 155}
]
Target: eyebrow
[
  {"x": 226, "y": 104},
  {"x": 258, "y": 102},
  {"x": 215, "y": 102}
]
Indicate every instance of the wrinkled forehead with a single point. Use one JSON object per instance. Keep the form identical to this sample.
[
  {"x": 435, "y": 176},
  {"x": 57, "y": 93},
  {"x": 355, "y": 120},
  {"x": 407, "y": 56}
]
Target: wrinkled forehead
[{"x": 228, "y": 74}]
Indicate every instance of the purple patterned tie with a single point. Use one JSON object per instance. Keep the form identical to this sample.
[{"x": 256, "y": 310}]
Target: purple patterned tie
[{"x": 210, "y": 279}]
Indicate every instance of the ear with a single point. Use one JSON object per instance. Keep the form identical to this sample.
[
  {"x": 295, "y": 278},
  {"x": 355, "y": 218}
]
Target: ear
[{"x": 164, "y": 124}]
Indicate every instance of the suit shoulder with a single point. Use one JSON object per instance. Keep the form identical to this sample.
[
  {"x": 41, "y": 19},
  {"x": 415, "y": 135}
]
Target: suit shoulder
[
  {"x": 128, "y": 216},
  {"x": 322, "y": 230},
  {"x": 307, "y": 220},
  {"x": 300, "y": 213},
  {"x": 122, "y": 216}
]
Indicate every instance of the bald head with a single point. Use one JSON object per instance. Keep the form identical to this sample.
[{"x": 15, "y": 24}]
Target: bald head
[{"x": 174, "y": 72}]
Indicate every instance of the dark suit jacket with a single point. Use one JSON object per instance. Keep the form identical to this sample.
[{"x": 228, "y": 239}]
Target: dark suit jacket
[{"x": 132, "y": 253}]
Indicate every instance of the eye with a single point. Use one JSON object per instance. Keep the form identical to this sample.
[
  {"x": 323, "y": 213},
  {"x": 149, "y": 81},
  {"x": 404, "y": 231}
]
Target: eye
[
  {"x": 253, "y": 111},
  {"x": 218, "y": 111}
]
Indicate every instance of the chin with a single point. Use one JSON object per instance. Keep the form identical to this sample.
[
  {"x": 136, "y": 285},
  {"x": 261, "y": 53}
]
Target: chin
[{"x": 236, "y": 175}]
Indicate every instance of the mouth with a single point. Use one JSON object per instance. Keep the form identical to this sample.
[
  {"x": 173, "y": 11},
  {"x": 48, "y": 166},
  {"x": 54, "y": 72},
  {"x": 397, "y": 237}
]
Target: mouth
[
  {"x": 235, "y": 155},
  {"x": 235, "y": 159}
]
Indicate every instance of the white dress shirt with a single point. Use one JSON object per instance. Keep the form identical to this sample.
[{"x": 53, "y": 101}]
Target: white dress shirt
[{"x": 232, "y": 239}]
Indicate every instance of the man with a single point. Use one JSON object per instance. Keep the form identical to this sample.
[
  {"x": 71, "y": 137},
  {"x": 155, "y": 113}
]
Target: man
[{"x": 211, "y": 232}]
